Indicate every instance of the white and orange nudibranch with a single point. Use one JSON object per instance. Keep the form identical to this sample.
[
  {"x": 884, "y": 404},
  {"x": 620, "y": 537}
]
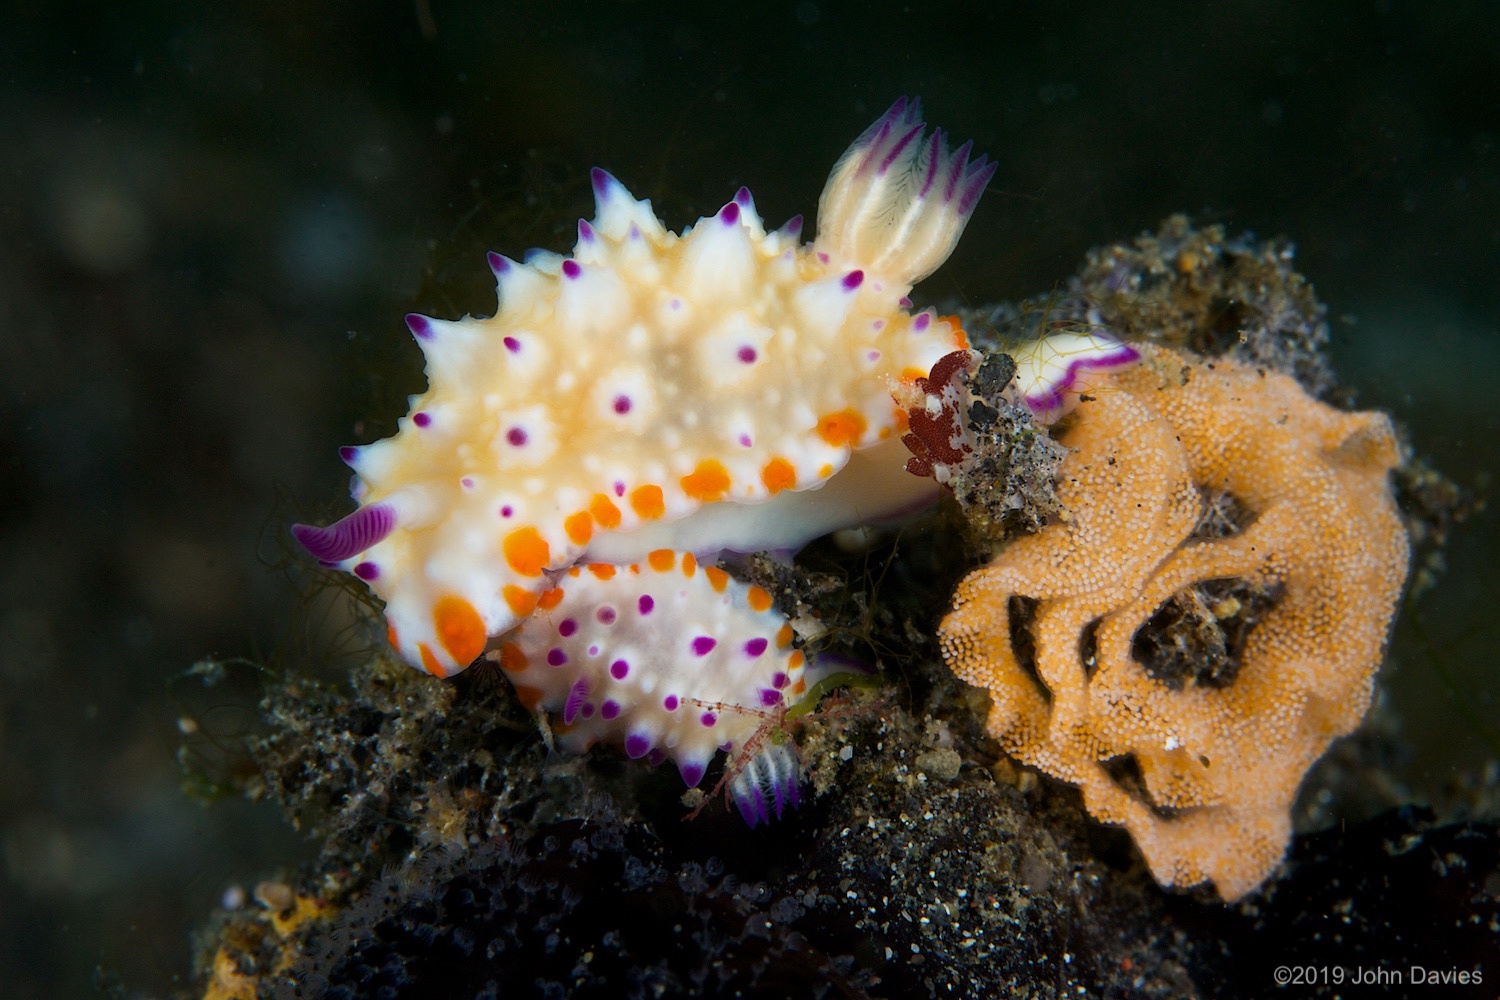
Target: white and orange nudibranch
[{"x": 642, "y": 405}]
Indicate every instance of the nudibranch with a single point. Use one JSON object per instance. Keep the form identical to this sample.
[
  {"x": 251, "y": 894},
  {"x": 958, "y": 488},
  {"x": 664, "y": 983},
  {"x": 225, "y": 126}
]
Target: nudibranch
[
  {"x": 556, "y": 497},
  {"x": 1052, "y": 371}
]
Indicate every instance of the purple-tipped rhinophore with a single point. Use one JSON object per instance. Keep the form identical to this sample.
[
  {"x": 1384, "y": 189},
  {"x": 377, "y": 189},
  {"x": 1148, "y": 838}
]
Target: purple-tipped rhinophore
[
  {"x": 347, "y": 536},
  {"x": 577, "y": 695}
]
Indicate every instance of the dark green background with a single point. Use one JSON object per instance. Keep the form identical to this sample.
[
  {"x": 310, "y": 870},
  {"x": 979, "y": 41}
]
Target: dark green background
[{"x": 211, "y": 223}]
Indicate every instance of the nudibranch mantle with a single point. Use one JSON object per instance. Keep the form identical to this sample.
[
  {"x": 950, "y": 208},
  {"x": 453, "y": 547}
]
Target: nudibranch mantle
[{"x": 656, "y": 391}]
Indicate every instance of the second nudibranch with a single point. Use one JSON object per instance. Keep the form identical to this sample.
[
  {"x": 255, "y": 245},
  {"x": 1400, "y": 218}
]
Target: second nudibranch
[{"x": 651, "y": 398}]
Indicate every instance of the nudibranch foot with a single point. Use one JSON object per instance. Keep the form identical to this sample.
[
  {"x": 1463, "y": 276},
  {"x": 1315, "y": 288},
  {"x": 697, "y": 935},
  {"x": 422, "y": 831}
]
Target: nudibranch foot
[{"x": 897, "y": 201}]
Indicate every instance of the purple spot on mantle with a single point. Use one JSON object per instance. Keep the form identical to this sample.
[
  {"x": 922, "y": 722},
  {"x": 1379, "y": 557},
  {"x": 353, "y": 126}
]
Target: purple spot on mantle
[
  {"x": 507, "y": 510},
  {"x": 556, "y": 657},
  {"x": 822, "y": 257},
  {"x": 619, "y": 488},
  {"x": 593, "y": 650},
  {"x": 570, "y": 269},
  {"x": 467, "y": 482},
  {"x": 348, "y": 454},
  {"x": 512, "y": 345},
  {"x": 745, "y": 441},
  {"x": 853, "y": 280},
  {"x": 670, "y": 703},
  {"x": 348, "y": 535},
  {"x": 419, "y": 325},
  {"x": 703, "y": 645},
  {"x": 780, "y": 680},
  {"x": 516, "y": 436},
  {"x": 619, "y": 670},
  {"x": 606, "y": 616},
  {"x": 645, "y": 604},
  {"x": 747, "y": 355},
  {"x": 609, "y": 710},
  {"x": 708, "y": 718},
  {"x": 421, "y": 419},
  {"x": 675, "y": 303},
  {"x": 636, "y": 745},
  {"x": 769, "y": 697},
  {"x": 588, "y": 710},
  {"x": 755, "y": 647},
  {"x": 567, "y": 627},
  {"x": 729, "y": 214},
  {"x": 367, "y": 571},
  {"x": 622, "y": 404},
  {"x": 922, "y": 322}
]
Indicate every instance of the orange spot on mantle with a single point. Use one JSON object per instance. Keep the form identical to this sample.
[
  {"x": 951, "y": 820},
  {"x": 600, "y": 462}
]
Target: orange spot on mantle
[
  {"x": 717, "y": 578},
  {"x": 430, "y": 662},
  {"x": 708, "y": 482},
  {"x": 760, "y": 599},
  {"x": 778, "y": 475},
  {"x": 604, "y": 511},
  {"x": 661, "y": 560},
  {"x": 647, "y": 502},
  {"x": 459, "y": 629},
  {"x": 521, "y": 601},
  {"x": 579, "y": 526},
  {"x": 550, "y": 599},
  {"x": 842, "y": 428},
  {"x": 602, "y": 571},
  {"x": 526, "y": 551}
]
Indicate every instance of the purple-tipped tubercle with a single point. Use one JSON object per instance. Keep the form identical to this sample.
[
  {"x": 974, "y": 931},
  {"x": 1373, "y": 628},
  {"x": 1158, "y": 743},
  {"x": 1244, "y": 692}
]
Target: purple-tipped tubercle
[
  {"x": 585, "y": 232},
  {"x": 853, "y": 280},
  {"x": 604, "y": 182},
  {"x": 419, "y": 325},
  {"x": 730, "y": 214},
  {"x": 571, "y": 270},
  {"x": 347, "y": 536},
  {"x": 742, "y": 198},
  {"x": 499, "y": 263}
]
